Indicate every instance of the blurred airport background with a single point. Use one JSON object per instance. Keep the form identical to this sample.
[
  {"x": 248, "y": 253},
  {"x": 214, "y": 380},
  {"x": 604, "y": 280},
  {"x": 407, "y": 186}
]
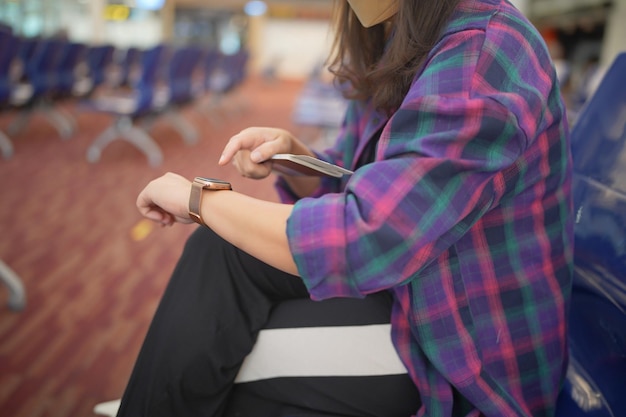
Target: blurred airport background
[
  {"x": 275, "y": 31},
  {"x": 290, "y": 38},
  {"x": 97, "y": 97}
]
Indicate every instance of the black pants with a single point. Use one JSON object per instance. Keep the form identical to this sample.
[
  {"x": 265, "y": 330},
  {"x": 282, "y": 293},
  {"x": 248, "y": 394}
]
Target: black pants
[{"x": 217, "y": 301}]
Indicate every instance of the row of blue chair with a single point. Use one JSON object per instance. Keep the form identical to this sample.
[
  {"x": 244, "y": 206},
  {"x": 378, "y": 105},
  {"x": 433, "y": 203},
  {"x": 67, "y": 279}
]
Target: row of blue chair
[
  {"x": 6, "y": 56},
  {"x": 36, "y": 74},
  {"x": 8, "y": 277},
  {"x": 135, "y": 86},
  {"x": 167, "y": 81}
]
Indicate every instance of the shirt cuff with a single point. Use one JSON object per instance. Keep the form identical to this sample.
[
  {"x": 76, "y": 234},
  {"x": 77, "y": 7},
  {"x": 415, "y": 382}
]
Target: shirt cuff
[{"x": 317, "y": 240}]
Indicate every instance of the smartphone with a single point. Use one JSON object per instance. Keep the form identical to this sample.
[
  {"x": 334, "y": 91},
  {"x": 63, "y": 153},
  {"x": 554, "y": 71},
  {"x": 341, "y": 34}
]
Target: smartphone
[{"x": 304, "y": 165}]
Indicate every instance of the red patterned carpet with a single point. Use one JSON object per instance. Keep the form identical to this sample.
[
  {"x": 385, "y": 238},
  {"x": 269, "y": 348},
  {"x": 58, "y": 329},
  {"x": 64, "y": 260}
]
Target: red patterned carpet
[{"x": 93, "y": 270}]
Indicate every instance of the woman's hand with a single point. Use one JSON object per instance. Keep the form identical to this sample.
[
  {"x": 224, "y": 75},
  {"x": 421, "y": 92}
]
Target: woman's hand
[
  {"x": 165, "y": 200},
  {"x": 251, "y": 150}
]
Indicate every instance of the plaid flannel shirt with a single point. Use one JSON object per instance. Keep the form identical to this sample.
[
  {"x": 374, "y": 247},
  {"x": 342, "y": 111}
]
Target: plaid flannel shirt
[{"x": 465, "y": 216}]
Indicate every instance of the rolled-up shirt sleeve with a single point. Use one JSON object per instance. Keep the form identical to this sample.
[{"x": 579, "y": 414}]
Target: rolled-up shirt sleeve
[{"x": 444, "y": 159}]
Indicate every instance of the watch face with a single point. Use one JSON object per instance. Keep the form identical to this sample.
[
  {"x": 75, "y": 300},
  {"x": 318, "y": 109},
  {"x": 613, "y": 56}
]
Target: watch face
[{"x": 213, "y": 183}]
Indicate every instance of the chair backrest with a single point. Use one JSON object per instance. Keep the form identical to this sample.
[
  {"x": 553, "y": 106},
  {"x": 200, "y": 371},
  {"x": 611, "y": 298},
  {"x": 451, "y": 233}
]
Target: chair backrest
[
  {"x": 9, "y": 45},
  {"x": 240, "y": 66},
  {"x": 210, "y": 62},
  {"x": 596, "y": 382},
  {"x": 71, "y": 55},
  {"x": 27, "y": 48},
  {"x": 236, "y": 65},
  {"x": 599, "y": 152},
  {"x": 42, "y": 67},
  {"x": 211, "y": 59},
  {"x": 151, "y": 60},
  {"x": 229, "y": 72},
  {"x": 98, "y": 59},
  {"x": 126, "y": 62},
  {"x": 183, "y": 64}
]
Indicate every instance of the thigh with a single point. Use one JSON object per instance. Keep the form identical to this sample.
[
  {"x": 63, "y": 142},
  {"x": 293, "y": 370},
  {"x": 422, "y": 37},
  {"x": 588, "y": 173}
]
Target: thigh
[
  {"x": 210, "y": 260},
  {"x": 217, "y": 300}
]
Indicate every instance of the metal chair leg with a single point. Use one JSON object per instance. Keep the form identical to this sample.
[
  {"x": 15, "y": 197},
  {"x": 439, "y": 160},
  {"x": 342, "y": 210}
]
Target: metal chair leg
[
  {"x": 144, "y": 142},
  {"x": 17, "y": 295},
  {"x": 124, "y": 129},
  {"x": 186, "y": 129},
  {"x": 102, "y": 141},
  {"x": 6, "y": 146},
  {"x": 62, "y": 124},
  {"x": 21, "y": 120}
]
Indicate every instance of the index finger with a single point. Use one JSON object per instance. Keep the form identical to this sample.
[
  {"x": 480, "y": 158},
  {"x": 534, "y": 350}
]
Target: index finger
[
  {"x": 249, "y": 139},
  {"x": 233, "y": 146}
]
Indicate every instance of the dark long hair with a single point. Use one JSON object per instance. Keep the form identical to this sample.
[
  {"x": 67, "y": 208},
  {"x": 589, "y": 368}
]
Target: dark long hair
[{"x": 377, "y": 71}]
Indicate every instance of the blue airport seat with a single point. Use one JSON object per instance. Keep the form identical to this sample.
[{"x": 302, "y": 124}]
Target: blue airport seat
[
  {"x": 596, "y": 383},
  {"x": 9, "y": 45},
  {"x": 320, "y": 104},
  {"x": 43, "y": 71},
  {"x": 224, "y": 73},
  {"x": 179, "y": 91},
  {"x": 211, "y": 61},
  {"x": 72, "y": 55},
  {"x": 136, "y": 110},
  {"x": 124, "y": 64},
  {"x": 180, "y": 75},
  {"x": 67, "y": 79},
  {"x": 320, "y": 108},
  {"x": 27, "y": 49},
  {"x": 96, "y": 62}
]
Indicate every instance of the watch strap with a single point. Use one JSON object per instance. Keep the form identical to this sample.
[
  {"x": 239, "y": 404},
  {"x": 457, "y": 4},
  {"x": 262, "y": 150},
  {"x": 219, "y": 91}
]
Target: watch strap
[
  {"x": 195, "y": 200},
  {"x": 195, "y": 196}
]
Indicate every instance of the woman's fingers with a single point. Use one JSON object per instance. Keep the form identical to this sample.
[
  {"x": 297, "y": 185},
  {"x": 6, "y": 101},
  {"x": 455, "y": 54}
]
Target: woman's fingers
[
  {"x": 245, "y": 140},
  {"x": 261, "y": 142},
  {"x": 249, "y": 169},
  {"x": 251, "y": 149}
]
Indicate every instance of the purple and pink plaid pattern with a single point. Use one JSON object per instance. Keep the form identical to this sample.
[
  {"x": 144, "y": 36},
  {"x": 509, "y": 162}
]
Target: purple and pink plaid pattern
[{"x": 465, "y": 216}]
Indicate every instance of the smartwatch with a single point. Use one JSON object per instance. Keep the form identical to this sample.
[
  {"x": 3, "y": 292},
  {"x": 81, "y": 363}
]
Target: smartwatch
[{"x": 195, "y": 197}]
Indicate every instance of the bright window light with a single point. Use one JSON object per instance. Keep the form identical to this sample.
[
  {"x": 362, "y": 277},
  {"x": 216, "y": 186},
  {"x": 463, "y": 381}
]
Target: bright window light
[
  {"x": 150, "y": 4},
  {"x": 255, "y": 8}
]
